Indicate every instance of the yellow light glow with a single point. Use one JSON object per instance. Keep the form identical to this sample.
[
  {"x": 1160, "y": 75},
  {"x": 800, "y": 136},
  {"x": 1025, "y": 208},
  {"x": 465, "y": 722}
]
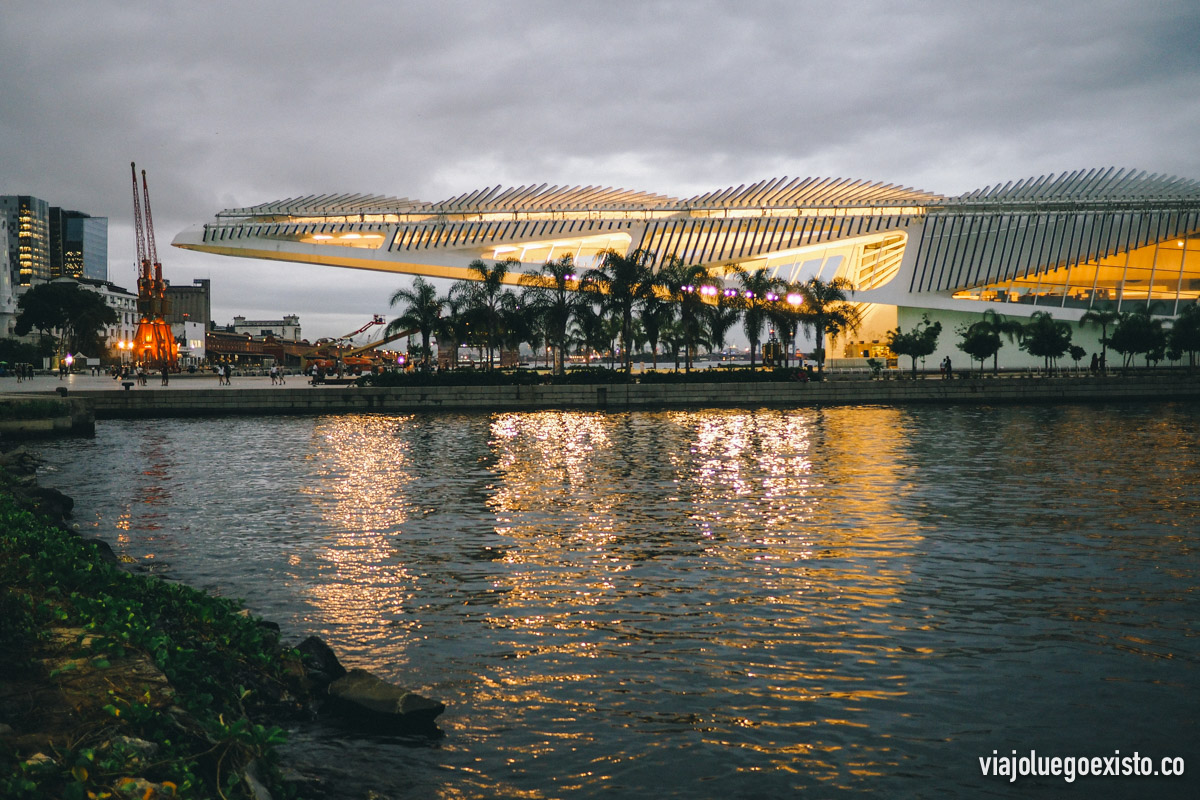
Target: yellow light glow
[{"x": 322, "y": 236}]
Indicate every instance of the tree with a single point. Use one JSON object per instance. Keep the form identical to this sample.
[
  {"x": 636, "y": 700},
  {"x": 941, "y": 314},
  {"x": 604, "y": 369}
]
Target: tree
[
  {"x": 1046, "y": 337},
  {"x": 422, "y": 312},
  {"x": 980, "y": 341},
  {"x": 917, "y": 343},
  {"x": 621, "y": 283},
  {"x": 721, "y": 317},
  {"x": 489, "y": 300},
  {"x": 656, "y": 313},
  {"x": 685, "y": 284},
  {"x": 993, "y": 323},
  {"x": 548, "y": 295},
  {"x": 1185, "y": 333},
  {"x": 80, "y": 314},
  {"x": 827, "y": 312},
  {"x": 452, "y": 327},
  {"x": 756, "y": 286},
  {"x": 785, "y": 312},
  {"x": 1138, "y": 332},
  {"x": 1102, "y": 316}
]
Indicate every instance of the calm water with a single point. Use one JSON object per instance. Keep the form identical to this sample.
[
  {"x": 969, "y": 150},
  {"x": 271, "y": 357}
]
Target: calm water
[{"x": 714, "y": 604}]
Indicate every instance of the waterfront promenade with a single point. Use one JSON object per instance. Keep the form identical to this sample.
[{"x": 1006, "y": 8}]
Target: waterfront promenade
[{"x": 201, "y": 395}]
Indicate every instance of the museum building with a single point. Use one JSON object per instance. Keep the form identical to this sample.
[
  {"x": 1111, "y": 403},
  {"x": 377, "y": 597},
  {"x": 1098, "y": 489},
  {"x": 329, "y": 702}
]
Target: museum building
[{"x": 1061, "y": 243}]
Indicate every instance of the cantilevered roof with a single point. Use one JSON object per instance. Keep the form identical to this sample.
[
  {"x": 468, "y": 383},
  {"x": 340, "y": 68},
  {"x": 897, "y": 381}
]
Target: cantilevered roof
[
  {"x": 1095, "y": 185},
  {"x": 805, "y": 192},
  {"x": 329, "y": 204}
]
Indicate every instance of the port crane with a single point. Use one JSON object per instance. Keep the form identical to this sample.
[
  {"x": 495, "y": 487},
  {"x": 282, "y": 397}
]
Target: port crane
[
  {"x": 153, "y": 344},
  {"x": 330, "y": 352}
]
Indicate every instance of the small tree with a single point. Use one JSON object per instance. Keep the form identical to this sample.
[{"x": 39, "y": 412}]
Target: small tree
[
  {"x": 1138, "y": 332},
  {"x": 1103, "y": 316},
  {"x": 1046, "y": 337},
  {"x": 917, "y": 343},
  {"x": 980, "y": 341},
  {"x": 421, "y": 312},
  {"x": 81, "y": 315},
  {"x": 1184, "y": 336}
]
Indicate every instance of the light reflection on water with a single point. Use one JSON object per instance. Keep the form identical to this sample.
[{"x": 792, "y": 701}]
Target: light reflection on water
[{"x": 701, "y": 604}]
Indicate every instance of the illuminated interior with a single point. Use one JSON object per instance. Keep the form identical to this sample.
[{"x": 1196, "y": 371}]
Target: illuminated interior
[{"x": 1166, "y": 273}]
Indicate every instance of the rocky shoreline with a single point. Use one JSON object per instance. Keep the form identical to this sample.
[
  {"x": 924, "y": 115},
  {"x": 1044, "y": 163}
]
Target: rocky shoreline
[{"x": 119, "y": 684}]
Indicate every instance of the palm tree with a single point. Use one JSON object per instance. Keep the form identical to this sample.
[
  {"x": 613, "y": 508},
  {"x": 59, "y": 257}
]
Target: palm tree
[
  {"x": 756, "y": 286},
  {"x": 686, "y": 284},
  {"x": 656, "y": 313},
  {"x": 621, "y": 283},
  {"x": 993, "y": 326},
  {"x": 490, "y": 300},
  {"x": 1103, "y": 317},
  {"x": 452, "y": 327},
  {"x": 1046, "y": 337},
  {"x": 588, "y": 332},
  {"x": 421, "y": 313},
  {"x": 827, "y": 311},
  {"x": 548, "y": 293},
  {"x": 721, "y": 317},
  {"x": 784, "y": 310}
]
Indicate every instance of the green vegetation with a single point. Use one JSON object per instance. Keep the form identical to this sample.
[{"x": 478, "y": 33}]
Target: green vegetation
[
  {"x": 31, "y": 409},
  {"x": 618, "y": 308},
  {"x": 577, "y": 376},
  {"x": 80, "y": 315},
  {"x": 137, "y": 687},
  {"x": 917, "y": 343}
]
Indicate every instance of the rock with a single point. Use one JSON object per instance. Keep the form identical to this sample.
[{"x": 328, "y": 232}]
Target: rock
[
  {"x": 20, "y": 461},
  {"x": 50, "y": 502},
  {"x": 369, "y": 701},
  {"x": 141, "y": 747},
  {"x": 320, "y": 663},
  {"x": 104, "y": 550}
]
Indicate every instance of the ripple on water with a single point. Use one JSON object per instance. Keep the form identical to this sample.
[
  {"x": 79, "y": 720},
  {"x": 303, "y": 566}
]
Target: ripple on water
[{"x": 698, "y": 604}]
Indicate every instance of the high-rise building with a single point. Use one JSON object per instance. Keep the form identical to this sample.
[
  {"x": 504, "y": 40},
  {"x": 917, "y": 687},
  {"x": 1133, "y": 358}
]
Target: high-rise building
[
  {"x": 28, "y": 240},
  {"x": 78, "y": 245},
  {"x": 8, "y": 301}
]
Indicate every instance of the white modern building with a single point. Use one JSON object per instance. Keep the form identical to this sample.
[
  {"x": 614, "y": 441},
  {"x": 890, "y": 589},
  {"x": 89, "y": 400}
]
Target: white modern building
[{"x": 1061, "y": 243}]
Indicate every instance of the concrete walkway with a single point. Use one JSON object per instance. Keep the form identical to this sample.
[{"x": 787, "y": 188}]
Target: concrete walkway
[{"x": 181, "y": 382}]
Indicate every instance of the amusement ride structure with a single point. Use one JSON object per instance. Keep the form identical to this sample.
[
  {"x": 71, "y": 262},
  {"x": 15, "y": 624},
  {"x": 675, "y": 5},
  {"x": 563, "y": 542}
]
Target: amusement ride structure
[{"x": 153, "y": 345}]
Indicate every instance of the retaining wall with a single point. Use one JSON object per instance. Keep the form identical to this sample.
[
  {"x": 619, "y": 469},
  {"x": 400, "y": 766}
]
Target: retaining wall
[{"x": 144, "y": 402}]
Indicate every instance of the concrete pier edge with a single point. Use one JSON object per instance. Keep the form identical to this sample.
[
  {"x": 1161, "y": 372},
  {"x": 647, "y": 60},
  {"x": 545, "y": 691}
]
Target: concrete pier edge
[{"x": 303, "y": 399}]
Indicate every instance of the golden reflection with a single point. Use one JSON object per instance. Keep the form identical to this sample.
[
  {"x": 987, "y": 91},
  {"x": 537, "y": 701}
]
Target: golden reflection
[
  {"x": 363, "y": 471},
  {"x": 580, "y": 498}
]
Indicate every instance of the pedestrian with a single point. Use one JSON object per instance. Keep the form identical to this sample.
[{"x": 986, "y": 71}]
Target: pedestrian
[
  {"x": 165, "y": 374},
  {"x": 949, "y": 368},
  {"x": 274, "y": 375},
  {"x": 1095, "y": 363}
]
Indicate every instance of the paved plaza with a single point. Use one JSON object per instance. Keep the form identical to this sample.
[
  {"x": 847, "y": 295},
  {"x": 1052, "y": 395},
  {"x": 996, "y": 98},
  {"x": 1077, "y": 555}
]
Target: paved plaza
[{"x": 182, "y": 382}]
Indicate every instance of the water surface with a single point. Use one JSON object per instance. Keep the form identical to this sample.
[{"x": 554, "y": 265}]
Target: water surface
[{"x": 842, "y": 602}]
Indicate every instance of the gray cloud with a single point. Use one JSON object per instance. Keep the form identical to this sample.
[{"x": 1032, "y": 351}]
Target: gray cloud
[{"x": 229, "y": 104}]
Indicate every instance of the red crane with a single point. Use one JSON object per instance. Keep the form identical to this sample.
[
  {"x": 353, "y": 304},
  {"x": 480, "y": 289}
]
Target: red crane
[{"x": 154, "y": 345}]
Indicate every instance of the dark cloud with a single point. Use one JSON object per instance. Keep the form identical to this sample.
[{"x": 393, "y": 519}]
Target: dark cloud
[{"x": 228, "y": 104}]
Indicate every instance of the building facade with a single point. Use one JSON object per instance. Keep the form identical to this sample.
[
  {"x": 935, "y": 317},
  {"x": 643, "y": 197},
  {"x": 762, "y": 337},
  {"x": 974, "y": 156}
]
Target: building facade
[
  {"x": 1060, "y": 243},
  {"x": 28, "y": 240},
  {"x": 190, "y": 303},
  {"x": 286, "y": 329},
  {"x": 78, "y": 245}
]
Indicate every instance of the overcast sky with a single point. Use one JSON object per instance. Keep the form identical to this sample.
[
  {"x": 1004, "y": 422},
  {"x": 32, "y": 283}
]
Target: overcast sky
[{"x": 236, "y": 103}]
